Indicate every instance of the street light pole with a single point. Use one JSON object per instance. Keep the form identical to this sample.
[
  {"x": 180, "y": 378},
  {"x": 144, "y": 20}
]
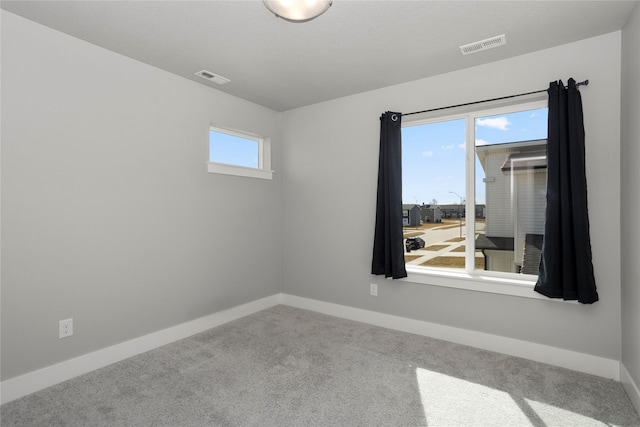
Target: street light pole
[{"x": 459, "y": 215}]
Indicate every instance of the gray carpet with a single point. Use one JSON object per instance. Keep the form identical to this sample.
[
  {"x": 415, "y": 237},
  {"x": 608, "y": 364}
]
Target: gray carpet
[{"x": 290, "y": 367}]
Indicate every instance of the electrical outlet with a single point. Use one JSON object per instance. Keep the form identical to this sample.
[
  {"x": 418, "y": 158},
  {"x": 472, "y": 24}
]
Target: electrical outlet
[
  {"x": 65, "y": 328},
  {"x": 373, "y": 289}
]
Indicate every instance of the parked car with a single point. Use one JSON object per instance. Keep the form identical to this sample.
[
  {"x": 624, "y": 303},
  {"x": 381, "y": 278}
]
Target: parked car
[{"x": 414, "y": 243}]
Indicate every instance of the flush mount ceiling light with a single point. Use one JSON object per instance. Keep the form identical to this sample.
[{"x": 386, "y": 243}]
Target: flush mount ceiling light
[{"x": 297, "y": 10}]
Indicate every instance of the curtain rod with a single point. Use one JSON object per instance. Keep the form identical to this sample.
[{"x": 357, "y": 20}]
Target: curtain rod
[{"x": 584, "y": 83}]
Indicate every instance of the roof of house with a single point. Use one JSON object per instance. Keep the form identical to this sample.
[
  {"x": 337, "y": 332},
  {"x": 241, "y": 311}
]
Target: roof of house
[
  {"x": 518, "y": 147},
  {"x": 495, "y": 243},
  {"x": 457, "y": 206},
  {"x": 529, "y": 160},
  {"x": 410, "y": 206}
]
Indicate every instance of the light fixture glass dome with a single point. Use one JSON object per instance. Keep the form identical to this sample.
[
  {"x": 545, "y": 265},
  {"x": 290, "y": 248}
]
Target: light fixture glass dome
[{"x": 297, "y": 10}]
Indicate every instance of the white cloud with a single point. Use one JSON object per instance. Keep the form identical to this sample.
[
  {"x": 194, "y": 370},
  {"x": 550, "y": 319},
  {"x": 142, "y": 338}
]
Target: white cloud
[
  {"x": 463, "y": 145},
  {"x": 495, "y": 123},
  {"x": 447, "y": 147},
  {"x": 481, "y": 142},
  {"x": 427, "y": 153}
]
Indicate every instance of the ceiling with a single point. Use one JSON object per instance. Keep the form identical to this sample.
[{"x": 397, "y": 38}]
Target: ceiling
[{"x": 356, "y": 46}]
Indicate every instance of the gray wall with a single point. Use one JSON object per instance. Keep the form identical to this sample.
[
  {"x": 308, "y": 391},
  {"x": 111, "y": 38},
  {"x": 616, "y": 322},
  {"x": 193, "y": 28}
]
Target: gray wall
[
  {"x": 108, "y": 213},
  {"x": 109, "y": 216},
  {"x": 630, "y": 206},
  {"x": 330, "y": 164}
]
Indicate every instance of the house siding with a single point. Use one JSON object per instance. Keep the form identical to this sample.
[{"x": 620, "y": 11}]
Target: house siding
[
  {"x": 531, "y": 197},
  {"x": 516, "y": 198},
  {"x": 499, "y": 220},
  {"x": 500, "y": 261}
]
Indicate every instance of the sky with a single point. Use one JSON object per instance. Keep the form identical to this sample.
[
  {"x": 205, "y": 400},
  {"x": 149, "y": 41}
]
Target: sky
[
  {"x": 233, "y": 150},
  {"x": 433, "y": 155}
]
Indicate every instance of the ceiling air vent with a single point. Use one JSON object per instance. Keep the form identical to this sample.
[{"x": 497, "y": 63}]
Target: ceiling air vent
[
  {"x": 212, "y": 77},
  {"x": 483, "y": 44}
]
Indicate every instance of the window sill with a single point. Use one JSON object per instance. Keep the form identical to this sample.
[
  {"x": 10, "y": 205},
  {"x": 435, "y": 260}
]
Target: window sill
[
  {"x": 495, "y": 284},
  {"x": 225, "y": 169}
]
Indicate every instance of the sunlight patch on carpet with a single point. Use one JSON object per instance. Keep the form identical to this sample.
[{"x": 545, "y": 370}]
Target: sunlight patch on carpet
[
  {"x": 450, "y": 401},
  {"x": 552, "y": 415}
]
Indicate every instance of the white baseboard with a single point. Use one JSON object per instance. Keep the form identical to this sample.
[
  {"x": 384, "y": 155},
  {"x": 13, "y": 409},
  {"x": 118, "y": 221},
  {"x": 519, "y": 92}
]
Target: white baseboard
[
  {"x": 630, "y": 387},
  {"x": 31, "y": 382},
  {"x": 581, "y": 362}
]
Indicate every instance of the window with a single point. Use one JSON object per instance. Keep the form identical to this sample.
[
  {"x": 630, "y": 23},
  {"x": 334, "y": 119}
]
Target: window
[
  {"x": 236, "y": 153},
  {"x": 481, "y": 214}
]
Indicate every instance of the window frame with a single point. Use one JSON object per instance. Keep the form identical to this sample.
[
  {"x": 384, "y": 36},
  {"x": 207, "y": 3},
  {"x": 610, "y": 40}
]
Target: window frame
[
  {"x": 514, "y": 284},
  {"x": 263, "y": 171}
]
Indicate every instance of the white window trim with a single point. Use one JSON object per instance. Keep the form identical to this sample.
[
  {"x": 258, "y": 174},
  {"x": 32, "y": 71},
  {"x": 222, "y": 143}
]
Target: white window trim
[
  {"x": 263, "y": 171},
  {"x": 519, "y": 285},
  {"x": 491, "y": 283},
  {"x": 226, "y": 169}
]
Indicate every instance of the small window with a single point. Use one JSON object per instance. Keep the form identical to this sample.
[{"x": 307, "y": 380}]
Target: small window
[
  {"x": 233, "y": 150},
  {"x": 237, "y": 153}
]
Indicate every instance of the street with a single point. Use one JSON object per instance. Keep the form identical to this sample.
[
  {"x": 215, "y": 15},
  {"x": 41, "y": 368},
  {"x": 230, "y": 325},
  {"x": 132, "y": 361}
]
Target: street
[{"x": 441, "y": 236}]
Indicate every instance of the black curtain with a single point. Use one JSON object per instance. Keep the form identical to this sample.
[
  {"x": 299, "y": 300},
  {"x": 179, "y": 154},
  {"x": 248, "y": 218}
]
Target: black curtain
[
  {"x": 388, "y": 251},
  {"x": 566, "y": 270}
]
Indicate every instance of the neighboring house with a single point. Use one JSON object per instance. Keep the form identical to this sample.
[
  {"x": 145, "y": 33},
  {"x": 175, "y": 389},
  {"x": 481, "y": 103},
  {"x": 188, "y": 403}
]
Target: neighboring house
[
  {"x": 414, "y": 215},
  {"x": 411, "y": 215},
  {"x": 456, "y": 210},
  {"x": 453, "y": 211},
  {"x": 431, "y": 213},
  {"x": 515, "y": 180}
]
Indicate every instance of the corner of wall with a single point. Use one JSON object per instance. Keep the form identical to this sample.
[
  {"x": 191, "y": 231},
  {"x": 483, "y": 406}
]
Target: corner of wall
[{"x": 630, "y": 387}]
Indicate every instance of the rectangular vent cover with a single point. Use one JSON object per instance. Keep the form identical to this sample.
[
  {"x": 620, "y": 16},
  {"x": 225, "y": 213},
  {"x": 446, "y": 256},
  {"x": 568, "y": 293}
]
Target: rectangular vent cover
[
  {"x": 484, "y": 44},
  {"x": 212, "y": 77}
]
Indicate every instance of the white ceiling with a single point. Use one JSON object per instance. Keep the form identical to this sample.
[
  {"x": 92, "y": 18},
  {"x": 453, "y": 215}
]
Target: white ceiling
[{"x": 354, "y": 47}]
